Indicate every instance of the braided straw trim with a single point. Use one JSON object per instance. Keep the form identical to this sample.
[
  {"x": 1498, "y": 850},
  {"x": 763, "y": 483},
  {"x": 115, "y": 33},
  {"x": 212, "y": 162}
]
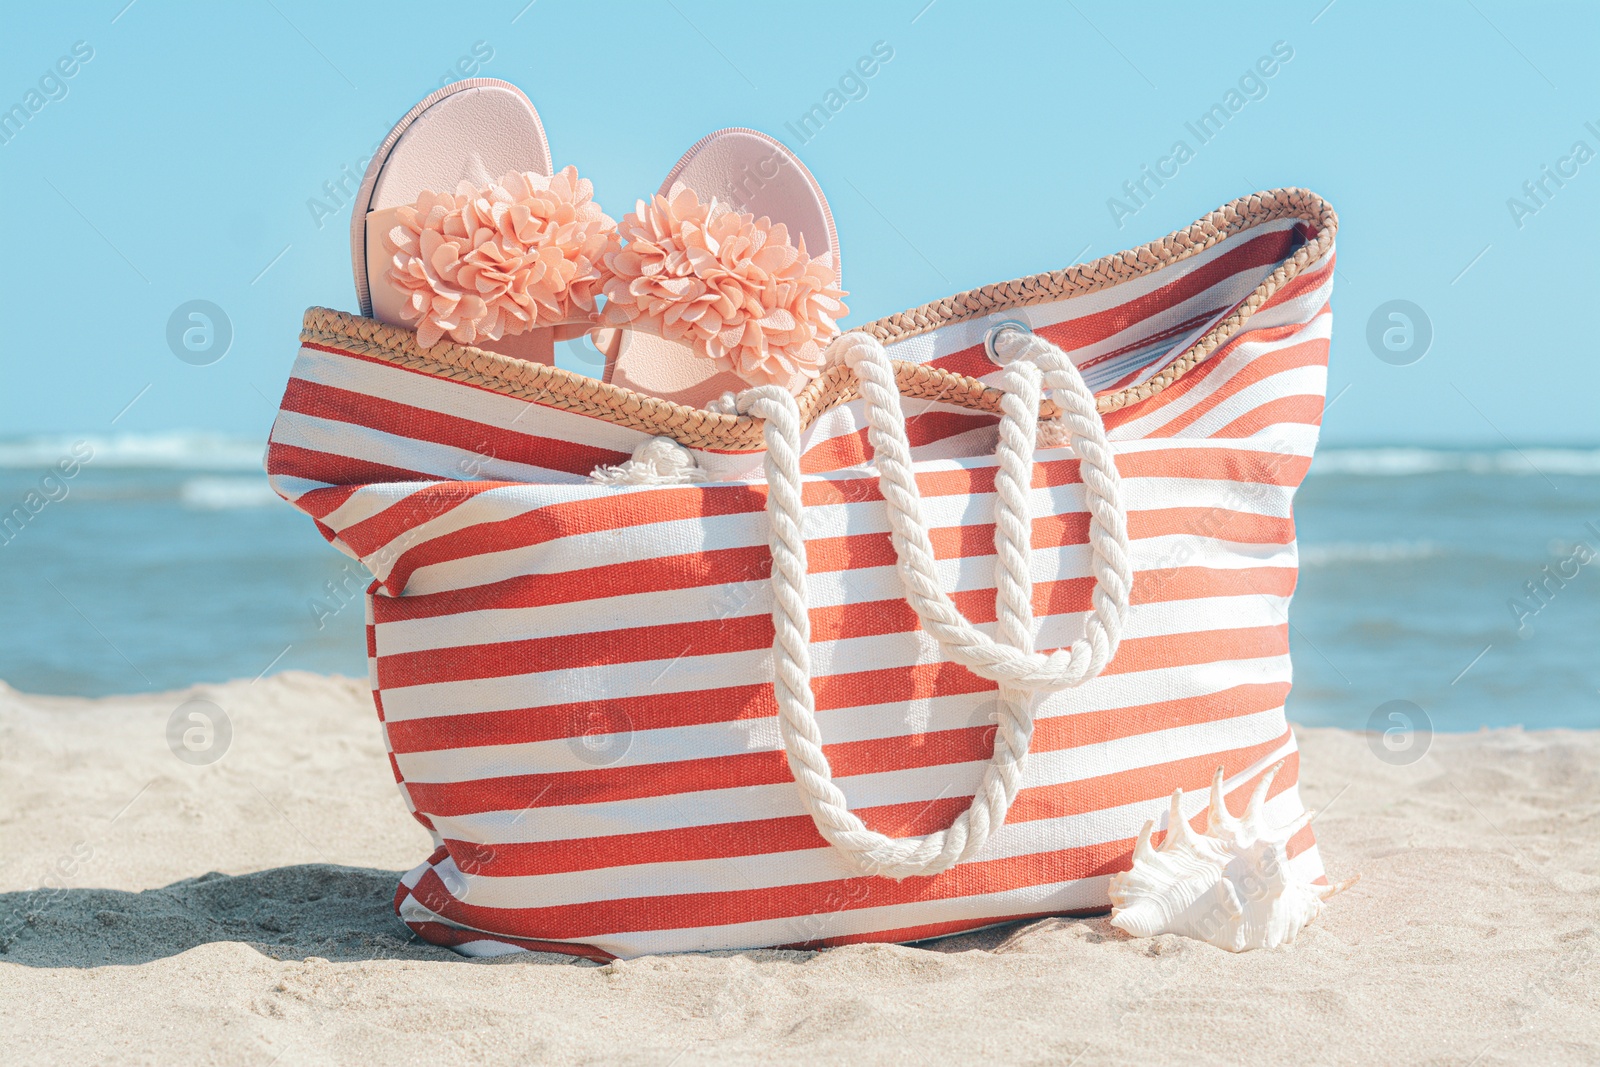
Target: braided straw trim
[
  {"x": 1107, "y": 271},
  {"x": 697, "y": 428},
  {"x": 557, "y": 388}
]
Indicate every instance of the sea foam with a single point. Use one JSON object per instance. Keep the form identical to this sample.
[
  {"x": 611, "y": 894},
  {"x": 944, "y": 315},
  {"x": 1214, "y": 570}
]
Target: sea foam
[
  {"x": 168, "y": 451},
  {"x": 1393, "y": 462}
]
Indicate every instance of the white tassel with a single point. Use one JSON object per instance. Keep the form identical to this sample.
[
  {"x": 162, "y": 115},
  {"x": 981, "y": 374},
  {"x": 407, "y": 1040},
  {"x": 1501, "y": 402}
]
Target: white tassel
[{"x": 657, "y": 461}]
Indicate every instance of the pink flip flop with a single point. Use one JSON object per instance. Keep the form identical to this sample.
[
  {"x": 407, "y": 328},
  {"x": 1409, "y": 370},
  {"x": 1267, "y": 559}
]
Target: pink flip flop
[
  {"x": 739, "y": 214},
  {"x": 483, "y": 133}
]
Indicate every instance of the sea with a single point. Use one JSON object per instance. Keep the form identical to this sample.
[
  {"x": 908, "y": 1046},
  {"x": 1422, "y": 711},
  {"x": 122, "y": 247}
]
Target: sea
[{"x": 1464, "y": 583}]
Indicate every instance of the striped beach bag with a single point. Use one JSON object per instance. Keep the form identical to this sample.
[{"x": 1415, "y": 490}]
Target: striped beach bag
[{"x": 916, "y": 652}]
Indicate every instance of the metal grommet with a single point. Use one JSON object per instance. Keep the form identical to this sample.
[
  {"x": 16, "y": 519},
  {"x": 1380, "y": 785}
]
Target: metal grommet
[{"x": 993, "y": 334}]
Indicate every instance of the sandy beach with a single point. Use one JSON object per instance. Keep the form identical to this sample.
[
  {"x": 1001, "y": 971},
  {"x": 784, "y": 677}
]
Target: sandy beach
[{"x": 153, "y": 911}]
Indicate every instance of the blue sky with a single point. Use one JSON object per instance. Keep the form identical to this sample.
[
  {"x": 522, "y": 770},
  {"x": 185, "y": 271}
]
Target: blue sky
[{"x": 180, "y": 162}]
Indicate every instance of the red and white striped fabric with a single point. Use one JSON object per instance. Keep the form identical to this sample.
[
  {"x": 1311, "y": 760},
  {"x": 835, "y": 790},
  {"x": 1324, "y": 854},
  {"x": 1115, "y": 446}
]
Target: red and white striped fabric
[{"x": 575, "y": 680}]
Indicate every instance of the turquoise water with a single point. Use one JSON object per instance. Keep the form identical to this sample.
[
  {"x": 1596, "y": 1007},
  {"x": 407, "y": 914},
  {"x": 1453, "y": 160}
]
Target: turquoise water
[
  {"x": 1410, "y": 562},
  {"x": 164, "y": 561}
]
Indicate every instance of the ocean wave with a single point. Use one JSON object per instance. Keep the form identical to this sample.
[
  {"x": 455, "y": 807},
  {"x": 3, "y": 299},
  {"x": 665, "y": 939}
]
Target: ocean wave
[
  {"x": 1394, "y": 462},
  {"x": 1366, "y": 552},
  {"x": 169, "y": 451},
  {"x": 218, "y": 494}
]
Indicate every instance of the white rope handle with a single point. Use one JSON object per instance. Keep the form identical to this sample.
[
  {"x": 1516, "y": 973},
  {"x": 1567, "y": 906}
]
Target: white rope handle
[{"x": 1008, "y": 658}]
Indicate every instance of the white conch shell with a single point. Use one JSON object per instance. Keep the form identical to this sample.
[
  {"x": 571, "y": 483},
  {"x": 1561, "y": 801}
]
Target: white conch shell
[{"x": 1230, "y": 886}]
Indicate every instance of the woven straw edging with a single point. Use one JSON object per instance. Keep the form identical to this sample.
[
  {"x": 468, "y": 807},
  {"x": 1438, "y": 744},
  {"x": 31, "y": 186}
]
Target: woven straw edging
[
  {"x": 697, "y": 428},
  {"x": 557, "y": 388}
]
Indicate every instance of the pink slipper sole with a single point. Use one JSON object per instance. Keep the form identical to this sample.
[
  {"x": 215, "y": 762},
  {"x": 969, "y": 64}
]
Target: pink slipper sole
[
  {"x": 475, "y": 131},
  {"x": 753, "y": 174}
]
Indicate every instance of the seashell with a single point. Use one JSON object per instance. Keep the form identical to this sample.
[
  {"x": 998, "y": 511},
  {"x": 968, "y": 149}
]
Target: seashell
[{"x": 1230, "y": 886}]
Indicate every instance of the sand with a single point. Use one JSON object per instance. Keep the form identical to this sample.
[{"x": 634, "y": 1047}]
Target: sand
[{"x": 157, "y": 912}]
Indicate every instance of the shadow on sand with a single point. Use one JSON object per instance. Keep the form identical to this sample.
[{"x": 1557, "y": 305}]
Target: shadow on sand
[
  {"x": 343, "y": 914},
  {"x": 338, "y": 913}
]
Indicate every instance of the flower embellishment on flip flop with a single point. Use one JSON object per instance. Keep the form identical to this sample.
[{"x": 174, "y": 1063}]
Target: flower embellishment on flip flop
[
  {"x": 728, "y": 285},
  {"x": 484, "y": 263}
]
